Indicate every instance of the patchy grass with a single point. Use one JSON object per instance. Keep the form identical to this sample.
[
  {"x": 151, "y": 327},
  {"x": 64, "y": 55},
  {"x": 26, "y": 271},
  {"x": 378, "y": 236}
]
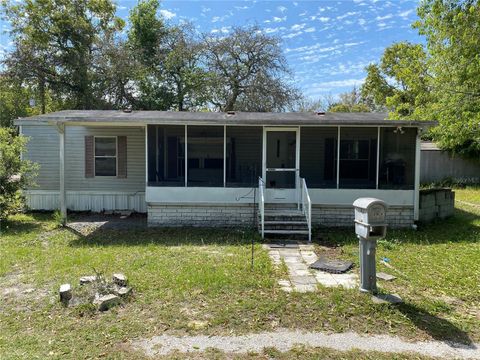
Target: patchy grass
[
  {"x": 299, "y": 353},
  {"x": 468, "y": 194},
  {"x": 185, "y": 275}
]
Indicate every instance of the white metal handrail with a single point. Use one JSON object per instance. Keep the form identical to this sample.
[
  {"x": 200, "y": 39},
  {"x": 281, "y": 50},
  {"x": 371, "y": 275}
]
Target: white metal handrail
[
  {"x": 306, "y": 206},
  {"x": 261, "y": 205}
]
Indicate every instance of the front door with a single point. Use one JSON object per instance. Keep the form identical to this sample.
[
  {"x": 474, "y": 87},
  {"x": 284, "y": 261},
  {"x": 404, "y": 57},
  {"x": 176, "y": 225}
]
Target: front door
[{"x": 281, "y": 163}]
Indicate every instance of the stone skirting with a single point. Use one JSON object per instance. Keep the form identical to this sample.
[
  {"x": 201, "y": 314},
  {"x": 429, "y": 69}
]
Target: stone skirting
[
  {"x": 337, "y": 216},
  {"x": 197, "y": 215},
  {"x": 225, "y": 215}
]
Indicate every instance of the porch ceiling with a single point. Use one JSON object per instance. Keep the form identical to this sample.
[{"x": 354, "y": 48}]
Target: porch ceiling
[{"x": 217, "y": 118}]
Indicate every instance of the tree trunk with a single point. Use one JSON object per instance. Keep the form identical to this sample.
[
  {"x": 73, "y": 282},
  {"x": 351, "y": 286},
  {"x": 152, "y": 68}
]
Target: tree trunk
[{"x": 41, "y": 88}]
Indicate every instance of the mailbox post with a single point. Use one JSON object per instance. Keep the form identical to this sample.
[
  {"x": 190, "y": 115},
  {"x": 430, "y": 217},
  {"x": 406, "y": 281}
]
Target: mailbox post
[{"x": 370, "y": 225}]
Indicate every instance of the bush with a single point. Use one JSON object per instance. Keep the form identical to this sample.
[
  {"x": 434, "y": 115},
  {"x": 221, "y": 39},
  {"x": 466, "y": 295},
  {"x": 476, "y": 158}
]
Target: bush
[{"x": 15, "y": 173}]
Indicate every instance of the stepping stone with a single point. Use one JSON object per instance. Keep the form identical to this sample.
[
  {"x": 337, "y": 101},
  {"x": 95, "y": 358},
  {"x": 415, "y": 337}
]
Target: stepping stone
[
  {"x": 303, "y": 280},
  {"x": 385, "y": 276},
  {"x": 305, "y": 288},
  {"x": 387, "y": 299}
]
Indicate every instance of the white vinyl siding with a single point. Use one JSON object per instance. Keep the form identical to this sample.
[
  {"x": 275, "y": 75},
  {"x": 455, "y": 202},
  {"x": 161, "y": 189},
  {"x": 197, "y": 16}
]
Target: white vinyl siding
[
  {"x": 75, "y": 160},
  {"x": 43, "y": 149}
]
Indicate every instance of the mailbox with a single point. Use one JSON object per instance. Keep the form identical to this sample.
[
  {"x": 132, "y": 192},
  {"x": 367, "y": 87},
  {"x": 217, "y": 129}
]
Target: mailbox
[
  {"x": 370, "y": 225},
  {"x": 370, "y": 218}
]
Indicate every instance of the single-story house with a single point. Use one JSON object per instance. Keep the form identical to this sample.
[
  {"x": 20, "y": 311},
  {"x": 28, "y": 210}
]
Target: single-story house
[{"x": 225, "y": 169}]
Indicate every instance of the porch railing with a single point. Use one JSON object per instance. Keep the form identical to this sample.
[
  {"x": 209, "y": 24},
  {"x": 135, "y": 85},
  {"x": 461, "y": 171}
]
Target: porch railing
[
  {"x": 261, "y": 205},
  {"x": 306, "y": 206}
]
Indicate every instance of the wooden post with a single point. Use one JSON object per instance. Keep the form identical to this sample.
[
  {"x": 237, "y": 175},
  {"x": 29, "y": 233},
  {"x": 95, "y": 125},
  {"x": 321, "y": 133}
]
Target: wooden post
[
  {"x": 62, "y": 195},
  {"x": 416, "y": 199}
]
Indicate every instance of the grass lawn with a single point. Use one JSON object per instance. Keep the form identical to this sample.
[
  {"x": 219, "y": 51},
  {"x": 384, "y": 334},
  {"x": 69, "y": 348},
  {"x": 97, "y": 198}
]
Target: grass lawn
[{"x": 185, "y": 275}]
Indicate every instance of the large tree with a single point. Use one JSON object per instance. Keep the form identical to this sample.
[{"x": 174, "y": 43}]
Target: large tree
[
  {"x": 147, "y": 38},
  {"x": 400, "y": 82},
  {"x": 184, "y": 71},
  {"x": 350, "y": 101},
  {"x": 55, "y": 43},
  {"x": 452, "y": 31},
  {"x": 249, "y": 71}
]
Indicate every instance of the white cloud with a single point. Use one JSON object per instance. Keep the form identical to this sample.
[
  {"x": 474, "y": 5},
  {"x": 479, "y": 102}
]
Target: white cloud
[
  {"x": 274, "y": 30},
  {"x": 362, "y": 22},
  {"x": 223, "y": 30},
  {"x": 167, "y": 14},
  {"x": 350, "y": 13},
  {"x": 241, "y": 7},
  {"x": 292, "y": 35},
  {"x": 324, "y": 19},
  {"x": 297, "y": 27},
  {"x": 310, "y": 29},
  {"x": 282, "y": 9},
  {"x": 404, "y": 14},
  {"x": 334, "y": 84},
  {"x": 386, "y": 17},
  {"x": 279, "y": 19}
]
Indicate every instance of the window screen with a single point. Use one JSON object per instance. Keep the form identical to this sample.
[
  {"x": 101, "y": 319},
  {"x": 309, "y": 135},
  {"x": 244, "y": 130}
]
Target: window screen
[
  {"x": 105, "y": 156},
  {"x": 397, "y": 158},
  {"x": 205, "y": 156},
  {"x": 166, "y": 155},
  {"x": 358, "y": 158},
  {"x": 318, "y": 147},
  {"x": 244, "y": 155}
]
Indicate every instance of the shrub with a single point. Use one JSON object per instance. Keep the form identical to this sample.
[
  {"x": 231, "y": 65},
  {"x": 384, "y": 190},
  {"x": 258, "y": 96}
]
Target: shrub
[{"x": 15, "y": 173}]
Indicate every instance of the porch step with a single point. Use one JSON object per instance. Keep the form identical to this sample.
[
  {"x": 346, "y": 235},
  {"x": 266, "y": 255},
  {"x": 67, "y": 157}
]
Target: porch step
[
  {"x": 287, "y": 232},
  {"x": 287, "y": 222},
  {"x": 286, "y": 212}
]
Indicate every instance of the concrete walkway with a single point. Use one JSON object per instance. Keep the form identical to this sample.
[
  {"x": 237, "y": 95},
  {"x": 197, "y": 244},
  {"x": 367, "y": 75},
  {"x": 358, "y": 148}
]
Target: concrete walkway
[
  {"x": 284, "y": 340},
  {"x": 298, "y": 258}
]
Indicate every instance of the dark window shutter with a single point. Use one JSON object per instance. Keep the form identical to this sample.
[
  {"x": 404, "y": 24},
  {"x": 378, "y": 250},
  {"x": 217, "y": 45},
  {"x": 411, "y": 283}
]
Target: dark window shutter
[
  {"x": 89, "y": 156},
  {"x": 122, "y": 157}
]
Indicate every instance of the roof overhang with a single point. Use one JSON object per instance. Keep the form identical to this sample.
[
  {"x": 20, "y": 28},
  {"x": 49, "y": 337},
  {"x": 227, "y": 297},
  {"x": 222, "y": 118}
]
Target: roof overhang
[{"x": 143, "y": 118}]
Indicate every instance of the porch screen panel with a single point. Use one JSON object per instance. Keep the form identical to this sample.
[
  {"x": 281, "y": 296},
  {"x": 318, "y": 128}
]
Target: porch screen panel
[
  {"x": 244, "y": 155},
  {"x": 397, "y": 158},
  {"x": 205, "y": 156},
  {"x": 166, "y": 155},
  {"x": 358, "y": 158},
  {"x": 318, "y": 146}
]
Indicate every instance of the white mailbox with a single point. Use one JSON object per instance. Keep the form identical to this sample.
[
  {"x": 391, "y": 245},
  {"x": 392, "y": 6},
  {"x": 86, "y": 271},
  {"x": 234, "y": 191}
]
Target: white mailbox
[
  {"x": 370, "y": 225},
  {"x": 370, "y": 216}
]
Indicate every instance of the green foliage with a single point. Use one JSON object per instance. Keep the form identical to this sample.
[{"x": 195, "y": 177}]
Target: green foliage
[
  {"x": 351, "y": 101},
  {"x": 15, "y": 173},
  {"x": 453, "y": 37},
  {"x": 56, "y": 46},
  {"x": 14, "y": 101},
  {"x": 436, "y": 82},
  {"x": 400, "y": 82}
]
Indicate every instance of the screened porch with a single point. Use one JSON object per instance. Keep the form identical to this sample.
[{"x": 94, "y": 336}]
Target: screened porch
[{"x": 327, "y": 157}]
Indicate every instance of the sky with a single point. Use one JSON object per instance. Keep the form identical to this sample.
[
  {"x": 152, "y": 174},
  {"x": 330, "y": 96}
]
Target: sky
[{"x": 327, "y": 43}]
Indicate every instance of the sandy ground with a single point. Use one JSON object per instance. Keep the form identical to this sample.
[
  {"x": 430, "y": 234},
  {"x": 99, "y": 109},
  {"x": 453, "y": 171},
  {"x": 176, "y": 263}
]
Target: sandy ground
[{"x": 284, "y": 340}]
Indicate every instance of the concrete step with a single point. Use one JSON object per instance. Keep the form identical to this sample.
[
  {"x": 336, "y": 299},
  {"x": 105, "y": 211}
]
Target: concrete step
[
  {"x": 286, "y": 222},
  {"x": 293, "y": 232}
]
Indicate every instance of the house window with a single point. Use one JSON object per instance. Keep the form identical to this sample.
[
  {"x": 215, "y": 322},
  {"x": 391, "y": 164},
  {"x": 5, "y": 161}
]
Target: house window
[{"x": 106, "y": 156}]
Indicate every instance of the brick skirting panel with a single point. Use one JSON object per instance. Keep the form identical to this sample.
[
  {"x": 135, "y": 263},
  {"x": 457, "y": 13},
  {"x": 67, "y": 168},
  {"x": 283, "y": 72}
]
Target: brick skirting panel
[{"x": 243, "y": 215}]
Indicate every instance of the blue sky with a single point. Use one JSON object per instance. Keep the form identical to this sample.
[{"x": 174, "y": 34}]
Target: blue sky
[{"x": 327, "y": 43}]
